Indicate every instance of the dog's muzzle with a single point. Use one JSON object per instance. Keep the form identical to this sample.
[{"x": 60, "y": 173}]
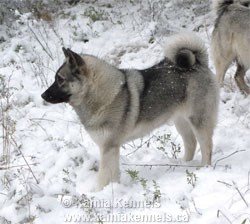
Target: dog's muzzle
[{"x": 55, "y": 95}]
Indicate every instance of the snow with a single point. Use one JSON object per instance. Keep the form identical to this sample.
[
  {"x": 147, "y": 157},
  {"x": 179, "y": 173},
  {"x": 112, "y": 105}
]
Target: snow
[{"x": 64, "y": 159}]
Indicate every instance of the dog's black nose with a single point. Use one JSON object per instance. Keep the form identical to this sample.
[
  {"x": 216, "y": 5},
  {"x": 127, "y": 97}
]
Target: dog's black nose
[{"x": 44, "y": 96}]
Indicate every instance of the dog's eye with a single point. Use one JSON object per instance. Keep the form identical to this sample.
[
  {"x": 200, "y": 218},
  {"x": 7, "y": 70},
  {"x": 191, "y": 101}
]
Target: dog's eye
[{"x": 60, "y": 80}]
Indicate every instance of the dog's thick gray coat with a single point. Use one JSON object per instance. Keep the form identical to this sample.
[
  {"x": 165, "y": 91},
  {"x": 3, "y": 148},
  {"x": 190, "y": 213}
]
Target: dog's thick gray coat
[
  {"x": 231, "y": 39},
  {"x": 116, "y": 106}
]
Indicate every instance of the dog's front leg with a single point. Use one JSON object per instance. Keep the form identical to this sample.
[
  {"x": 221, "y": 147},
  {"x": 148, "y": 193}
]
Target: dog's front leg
[{"x": 109, "y": 167}]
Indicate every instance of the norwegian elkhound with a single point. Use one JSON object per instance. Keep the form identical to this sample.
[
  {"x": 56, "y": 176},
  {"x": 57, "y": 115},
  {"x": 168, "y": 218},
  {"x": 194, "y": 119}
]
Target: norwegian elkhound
[
  {"x": 117, "y": 105},
  {"x": 231, "y": 39}
]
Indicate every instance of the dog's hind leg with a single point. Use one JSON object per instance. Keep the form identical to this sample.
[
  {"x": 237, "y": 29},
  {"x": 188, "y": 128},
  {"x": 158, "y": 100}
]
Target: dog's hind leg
[
  {"x": 109, "y": 167},
  {"x": 203, "y": 132},
  {"x": 223, "y": 56},
  {"x": 184, "y": 129},
  {"x": 239, "y": 78},
  {"x": 221, "y": 66}
]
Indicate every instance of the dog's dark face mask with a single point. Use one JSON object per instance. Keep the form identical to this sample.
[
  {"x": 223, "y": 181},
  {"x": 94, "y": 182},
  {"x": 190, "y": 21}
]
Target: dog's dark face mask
[
  {"x": 55, "y": 94},
  {"x": 66, "y": 75}
]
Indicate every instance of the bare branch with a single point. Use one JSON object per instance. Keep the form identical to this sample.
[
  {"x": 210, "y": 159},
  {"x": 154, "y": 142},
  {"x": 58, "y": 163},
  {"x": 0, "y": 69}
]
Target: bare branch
[
  {"x": 17, "y": 166},
  {"x": 159, "y": 165},
  {"x": 41, "y": 44},
  {"x": 219, "y": 212},
  {"x": 141, "y": 145},
  {"x": 19, "y": 149},
  {"x": 227, "y": 184},
  {"x": 226, "y": 157},
  {"x": 242, "y": 197}
]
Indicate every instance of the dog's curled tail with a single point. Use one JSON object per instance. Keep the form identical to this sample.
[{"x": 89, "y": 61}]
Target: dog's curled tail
[
  {"x": 220, "y": 5},
  {"x": 185, "y": 50}
]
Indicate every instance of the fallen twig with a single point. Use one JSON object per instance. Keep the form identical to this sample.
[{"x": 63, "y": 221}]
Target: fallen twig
[
  {"x": 11, "y": 167},
  {"x": 220, "y": 212},
  {"x": 195, "y": 207},
  {"x": 237, "y": 189},
  {"x": 139, "y": 147},
  {"x": 226, "y": 157},
  {"x": 19, "y": 149},
  {"x": 227, "y": 184},
  {"x": 155, "y": 165}
]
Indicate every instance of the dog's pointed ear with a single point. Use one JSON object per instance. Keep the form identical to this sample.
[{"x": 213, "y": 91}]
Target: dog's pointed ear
[
  {"x": 65, "y": 52},
  {"x": 72, "y": 57}
]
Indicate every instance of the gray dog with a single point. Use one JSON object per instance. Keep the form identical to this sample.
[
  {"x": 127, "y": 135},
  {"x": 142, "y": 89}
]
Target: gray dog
[
  {"x": 116, "y": 106},
  {"x": 231, "y": 39}
]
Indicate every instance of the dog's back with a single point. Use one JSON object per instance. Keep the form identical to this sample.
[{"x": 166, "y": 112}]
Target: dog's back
[
  {"x": 180, "y": 88},
  {"x": 169, "y": 80}
]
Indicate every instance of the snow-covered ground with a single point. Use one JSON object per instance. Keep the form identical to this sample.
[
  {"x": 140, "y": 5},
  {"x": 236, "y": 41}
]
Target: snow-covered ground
[{"x": 48, "y": 163}]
